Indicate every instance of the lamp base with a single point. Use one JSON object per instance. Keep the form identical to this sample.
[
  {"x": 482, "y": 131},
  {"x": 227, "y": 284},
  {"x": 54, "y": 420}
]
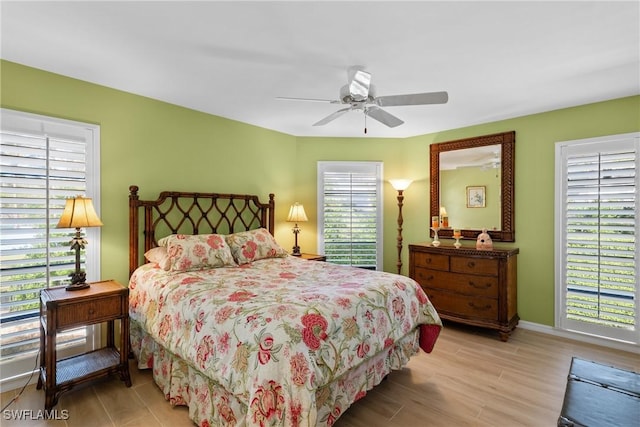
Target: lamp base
[
  {"x": 296, "y": 251},
  {"x": 77, "y": 286},
  {"x": 78, "y": 281}
]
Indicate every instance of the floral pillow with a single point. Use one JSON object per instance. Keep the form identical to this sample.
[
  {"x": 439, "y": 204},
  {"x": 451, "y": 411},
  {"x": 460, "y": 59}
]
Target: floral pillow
[
  {"x": 249, "y": 246},
  {"x": 194, "y": 252},
  {"x": 159, "y": 256}
]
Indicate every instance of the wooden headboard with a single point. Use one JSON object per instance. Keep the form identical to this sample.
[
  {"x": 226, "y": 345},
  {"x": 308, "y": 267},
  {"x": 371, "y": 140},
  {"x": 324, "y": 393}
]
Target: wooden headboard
[{"x": 178, "y": 212}]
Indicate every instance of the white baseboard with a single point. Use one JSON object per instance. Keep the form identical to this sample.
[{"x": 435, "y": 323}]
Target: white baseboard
[
  {"x": 18, "y": 381},
  {"x": 618, "y": 345}
]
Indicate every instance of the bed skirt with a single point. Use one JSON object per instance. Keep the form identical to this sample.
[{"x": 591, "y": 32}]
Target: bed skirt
[{"x": 211, "y": 405}]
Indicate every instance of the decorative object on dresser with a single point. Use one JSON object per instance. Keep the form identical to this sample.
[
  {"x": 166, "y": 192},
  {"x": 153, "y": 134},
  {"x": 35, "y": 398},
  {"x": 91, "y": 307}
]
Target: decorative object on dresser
[
  {"x": 457, "y": 235},
  {"x": 400, "y": 185},
  {"x": 296, "y": 215},
  {"x": 483, "y": 241},
  {"x": 78, "y": 212},
  {"x": 435, "y": 242},
  {"x": 435, "y": 226},
  {"x": 60, "y": 310},
  {"x": 476, "y": 287}
]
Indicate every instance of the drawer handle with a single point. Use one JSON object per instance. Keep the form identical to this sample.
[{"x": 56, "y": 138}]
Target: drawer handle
[
  {"x": 428, "y": 278},
  {"x": 474, "y": 306},
  {"x": 91, "y": 311},
  {"x": 486, "y": 285},
  {"x": 471, "y": 264}
]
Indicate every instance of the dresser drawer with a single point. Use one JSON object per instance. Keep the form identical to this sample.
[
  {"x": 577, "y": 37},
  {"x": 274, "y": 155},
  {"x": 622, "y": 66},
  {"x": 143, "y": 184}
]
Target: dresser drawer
[
  {"x": 434, "y": 261},
  {"x": 463, "y": 305},
  {"x": 90, "y": 311},
  {"x": 486, "y": 286},
  {"x": 487, "y": 267}
]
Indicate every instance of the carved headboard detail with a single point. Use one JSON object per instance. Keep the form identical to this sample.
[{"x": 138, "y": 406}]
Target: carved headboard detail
[{"x": 178, "y": 212}]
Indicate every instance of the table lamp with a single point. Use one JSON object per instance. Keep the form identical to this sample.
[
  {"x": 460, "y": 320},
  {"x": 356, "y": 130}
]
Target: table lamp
[
  {"x": 296, "y": 215},
  {"x": 78, "y": 212}
]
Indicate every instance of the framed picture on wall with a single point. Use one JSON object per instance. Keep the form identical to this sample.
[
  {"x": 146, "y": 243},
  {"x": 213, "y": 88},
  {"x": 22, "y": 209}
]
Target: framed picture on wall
[{"x": 476, "y": 196}]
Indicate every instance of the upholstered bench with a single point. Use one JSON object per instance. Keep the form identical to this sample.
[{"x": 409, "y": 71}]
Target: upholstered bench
[{"x": 600, "y": 395}]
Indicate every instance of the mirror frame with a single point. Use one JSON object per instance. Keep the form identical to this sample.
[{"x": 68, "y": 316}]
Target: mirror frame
[{"x": 507, "y": 141}]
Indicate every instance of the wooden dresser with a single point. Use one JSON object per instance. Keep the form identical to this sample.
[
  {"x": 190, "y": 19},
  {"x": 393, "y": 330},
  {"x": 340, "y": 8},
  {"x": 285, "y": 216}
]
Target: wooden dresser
[{"x": 476, "y": 287}]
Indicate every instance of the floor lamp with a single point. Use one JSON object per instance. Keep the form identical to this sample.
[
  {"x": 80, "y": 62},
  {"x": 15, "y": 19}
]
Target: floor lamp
[{"x": 400, "y": 185}]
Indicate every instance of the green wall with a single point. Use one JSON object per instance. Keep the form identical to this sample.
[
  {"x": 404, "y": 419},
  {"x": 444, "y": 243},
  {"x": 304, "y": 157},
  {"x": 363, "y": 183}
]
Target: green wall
[{"x": 159, "y": 146}]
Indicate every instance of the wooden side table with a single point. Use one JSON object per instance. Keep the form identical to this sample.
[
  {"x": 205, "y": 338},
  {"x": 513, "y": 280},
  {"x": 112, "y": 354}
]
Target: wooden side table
[
  {"x": 60, "y": 309},
  {"x": 313, "y": 257}
]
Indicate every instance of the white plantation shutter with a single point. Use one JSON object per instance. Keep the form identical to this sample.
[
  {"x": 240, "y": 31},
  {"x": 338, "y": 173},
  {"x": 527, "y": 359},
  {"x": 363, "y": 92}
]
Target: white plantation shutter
[
  {"x": 43, "y": 161},
  {"x": 350, "y": 213},
  {"x": 597, "y": 236}
]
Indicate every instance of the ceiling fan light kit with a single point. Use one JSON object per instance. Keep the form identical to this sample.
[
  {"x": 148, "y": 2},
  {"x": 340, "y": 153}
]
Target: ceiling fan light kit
[{"x": 360, "y": 95}]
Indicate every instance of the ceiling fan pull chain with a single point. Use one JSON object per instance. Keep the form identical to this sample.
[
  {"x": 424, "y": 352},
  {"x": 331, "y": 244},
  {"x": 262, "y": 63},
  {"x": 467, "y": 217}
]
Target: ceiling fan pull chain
[{"x": 365, "y": 121}]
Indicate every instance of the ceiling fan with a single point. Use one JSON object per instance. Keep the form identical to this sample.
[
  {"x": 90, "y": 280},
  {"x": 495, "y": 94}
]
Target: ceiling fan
[{"x": 360, "y": 95}]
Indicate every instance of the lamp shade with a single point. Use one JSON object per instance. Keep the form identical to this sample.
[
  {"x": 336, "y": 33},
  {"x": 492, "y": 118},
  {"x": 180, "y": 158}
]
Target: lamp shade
[
  {"x": 400, "y": 184},
  {"x": 79, "y": 212},
  {"x": 296, "y": 213}
]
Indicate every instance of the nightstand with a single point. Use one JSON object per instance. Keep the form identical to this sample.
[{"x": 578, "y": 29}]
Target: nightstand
[
  {"x": 60, "y": 309},
  {"x": 313, "y": 257}
]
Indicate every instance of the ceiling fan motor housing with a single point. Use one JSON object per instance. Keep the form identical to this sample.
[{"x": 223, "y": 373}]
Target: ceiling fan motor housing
[{"x": 347, "y": 98}]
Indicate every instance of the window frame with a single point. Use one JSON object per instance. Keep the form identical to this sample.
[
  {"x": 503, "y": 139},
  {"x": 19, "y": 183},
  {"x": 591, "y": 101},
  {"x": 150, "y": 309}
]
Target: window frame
[
  {"x": 605, "y": 144},
  {"x": 16, "y": 370},
  {"x": 352, "y": 167}
]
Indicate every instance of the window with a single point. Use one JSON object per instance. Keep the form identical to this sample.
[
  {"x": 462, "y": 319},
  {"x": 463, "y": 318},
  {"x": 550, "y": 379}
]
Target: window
[
  {"x": 350, "y": 213},
  {"x": 43, "y": 161},
  {"x": 596, "y": 236}
]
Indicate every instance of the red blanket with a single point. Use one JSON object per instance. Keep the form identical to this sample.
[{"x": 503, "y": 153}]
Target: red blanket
[{"x": 428, "y": 336}]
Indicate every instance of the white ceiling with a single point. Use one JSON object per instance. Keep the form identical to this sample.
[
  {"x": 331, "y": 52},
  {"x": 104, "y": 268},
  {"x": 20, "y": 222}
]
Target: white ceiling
[{"x": 496, "y": 59}]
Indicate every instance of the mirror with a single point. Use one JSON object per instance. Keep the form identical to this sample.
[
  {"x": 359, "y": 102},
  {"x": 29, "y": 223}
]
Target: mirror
[{"x": 473, "y": 179}]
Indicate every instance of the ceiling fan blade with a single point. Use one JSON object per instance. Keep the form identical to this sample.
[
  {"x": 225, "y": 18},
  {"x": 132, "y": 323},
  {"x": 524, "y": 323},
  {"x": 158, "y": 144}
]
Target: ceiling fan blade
[
  {"x": 413, "y": 99},
  {"x": 359, "y": 85},
  {"x": 332, "y": 117},
  {"x": 286, "y": 98},
  {"x": 383, "y": 117}
]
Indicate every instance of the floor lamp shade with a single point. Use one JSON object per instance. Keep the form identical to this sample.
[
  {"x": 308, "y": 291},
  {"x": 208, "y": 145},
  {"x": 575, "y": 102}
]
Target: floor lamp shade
[
  {"x": 400, "y": 184},
  {"x": 78, "y": 212},
  {"x": 296, "y": 215}
]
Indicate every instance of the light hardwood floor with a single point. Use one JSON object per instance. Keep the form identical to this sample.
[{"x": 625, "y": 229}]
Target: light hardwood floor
[{"x": 470, "y": 379}]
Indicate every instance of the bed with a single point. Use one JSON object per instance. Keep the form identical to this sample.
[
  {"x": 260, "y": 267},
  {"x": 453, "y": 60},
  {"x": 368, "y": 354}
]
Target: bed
[{"x": 245, "y": 334}]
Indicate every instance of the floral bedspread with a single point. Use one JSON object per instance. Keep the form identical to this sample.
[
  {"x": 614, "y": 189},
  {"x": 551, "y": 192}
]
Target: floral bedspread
[{"x": 274, "y": 331}]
